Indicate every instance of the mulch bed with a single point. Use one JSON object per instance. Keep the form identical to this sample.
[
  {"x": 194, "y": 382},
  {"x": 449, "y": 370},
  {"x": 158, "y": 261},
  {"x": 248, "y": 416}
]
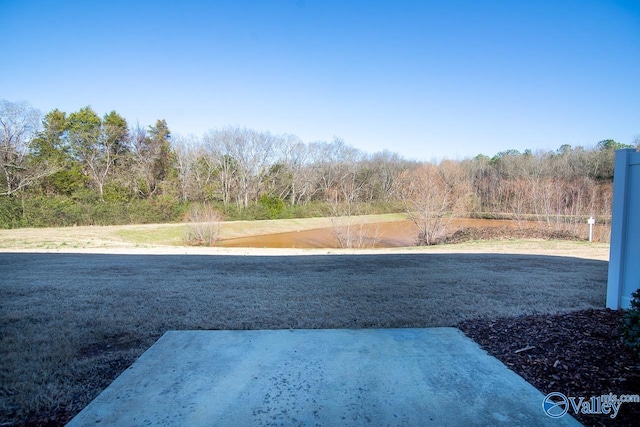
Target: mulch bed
[{"x": 577, "y": 354}]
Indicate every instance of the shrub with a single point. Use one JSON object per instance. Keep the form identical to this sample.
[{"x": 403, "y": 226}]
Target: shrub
[
  {"x": 116, "y": 193},
  {"x": 57, "y": 211},
  {"x": 631, "y": 324},
  {"x": 10, "y": 212},
  {"x": 203, "y": 225},
  {"x": 272, "y": 206},
  {"x": 151, "y": 211}
]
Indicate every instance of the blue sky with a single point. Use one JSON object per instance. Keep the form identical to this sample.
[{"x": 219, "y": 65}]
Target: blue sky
[{"x": 427, "y": 79}]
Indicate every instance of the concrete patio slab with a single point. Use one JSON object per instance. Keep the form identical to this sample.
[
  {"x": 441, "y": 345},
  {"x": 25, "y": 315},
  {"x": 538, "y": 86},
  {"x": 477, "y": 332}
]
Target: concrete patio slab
[{"x": 410, "y": 377}]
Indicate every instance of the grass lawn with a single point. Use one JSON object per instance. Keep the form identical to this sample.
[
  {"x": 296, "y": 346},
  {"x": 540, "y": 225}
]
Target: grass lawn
[{"x": 70, "y": 323}]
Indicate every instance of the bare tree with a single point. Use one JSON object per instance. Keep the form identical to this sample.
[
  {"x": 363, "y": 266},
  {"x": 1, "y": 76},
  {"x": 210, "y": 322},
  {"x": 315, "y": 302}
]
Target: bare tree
[
  {"x": 331, "y": 162},
  {"x": 19, "y": 124},
  {"x": 346, "y": 204},
  {"x": 204, "y": 224},
  {"x": 296, "y": 158},
  {"x": 245, "y": 160},
  {"x": 186, "y": 152},
  {"x": 217, "y": 147},
  {"x": 386, "y": 168},
  {"x": 519, "y": 199},
  {"x": 431, "y": 195}
]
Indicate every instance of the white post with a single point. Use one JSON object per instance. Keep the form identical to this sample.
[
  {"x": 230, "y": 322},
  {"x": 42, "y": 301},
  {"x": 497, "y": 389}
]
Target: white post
[
  {"x": 591, "y": 221},
  {"x": 624, "y": 269}
]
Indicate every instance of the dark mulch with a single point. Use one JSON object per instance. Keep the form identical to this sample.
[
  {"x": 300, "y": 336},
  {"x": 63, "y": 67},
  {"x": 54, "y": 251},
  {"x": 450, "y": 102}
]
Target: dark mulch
[{"x": 577, "y": 354}]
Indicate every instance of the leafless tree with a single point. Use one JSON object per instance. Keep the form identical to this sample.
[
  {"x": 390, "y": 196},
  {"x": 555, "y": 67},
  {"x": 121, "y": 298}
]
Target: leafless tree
[
  {"x": 243, "y": 157},
  {"x": 186, "y": 151},
  {"x": 345, "y": 201},
  {"x": 204, "y": 224},
  {"x": 19, "y": 124},
  {"x": 296, "y": 158},
  {"x": 431, "y": 195},
  {"x": 386, "y": 168},
  {"x": 332, "y": 161}
]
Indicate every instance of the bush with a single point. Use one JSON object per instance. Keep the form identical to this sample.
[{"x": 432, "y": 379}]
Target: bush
[
  {"x": 56, "y": 211},
  {"x": 155, "y": 211},
  {"x": 116, "y": 193},
  {"x": 272, "y": 206},
  {"x": 203, "y": 225},
  {"x": 10, "y": 212},
  {"x": 631, "y": 324}
]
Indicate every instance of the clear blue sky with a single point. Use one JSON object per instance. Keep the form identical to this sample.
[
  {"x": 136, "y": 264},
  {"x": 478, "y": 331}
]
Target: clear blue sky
[{"x": 427, "y": 79}]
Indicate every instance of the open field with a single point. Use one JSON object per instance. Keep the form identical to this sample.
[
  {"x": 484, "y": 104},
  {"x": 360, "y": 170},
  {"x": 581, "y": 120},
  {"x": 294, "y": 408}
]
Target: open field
[
  {"x": 70, "y": 323},
  {"x": 169, "y": 239}
]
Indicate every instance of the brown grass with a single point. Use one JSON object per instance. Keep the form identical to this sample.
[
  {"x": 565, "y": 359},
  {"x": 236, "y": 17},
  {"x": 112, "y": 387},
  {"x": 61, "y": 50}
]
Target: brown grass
[{"x": 70, "y": 323}]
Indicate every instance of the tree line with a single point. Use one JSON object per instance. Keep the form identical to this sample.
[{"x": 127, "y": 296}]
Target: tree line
[{"x": 82, "y": 168}]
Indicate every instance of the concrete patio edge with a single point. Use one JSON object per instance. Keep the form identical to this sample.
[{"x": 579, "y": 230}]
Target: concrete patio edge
[{"x": 412, "y": 376}]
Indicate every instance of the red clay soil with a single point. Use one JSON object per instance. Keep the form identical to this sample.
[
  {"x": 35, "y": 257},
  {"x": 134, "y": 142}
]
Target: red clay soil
[{"x": 577, "y": 354}]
